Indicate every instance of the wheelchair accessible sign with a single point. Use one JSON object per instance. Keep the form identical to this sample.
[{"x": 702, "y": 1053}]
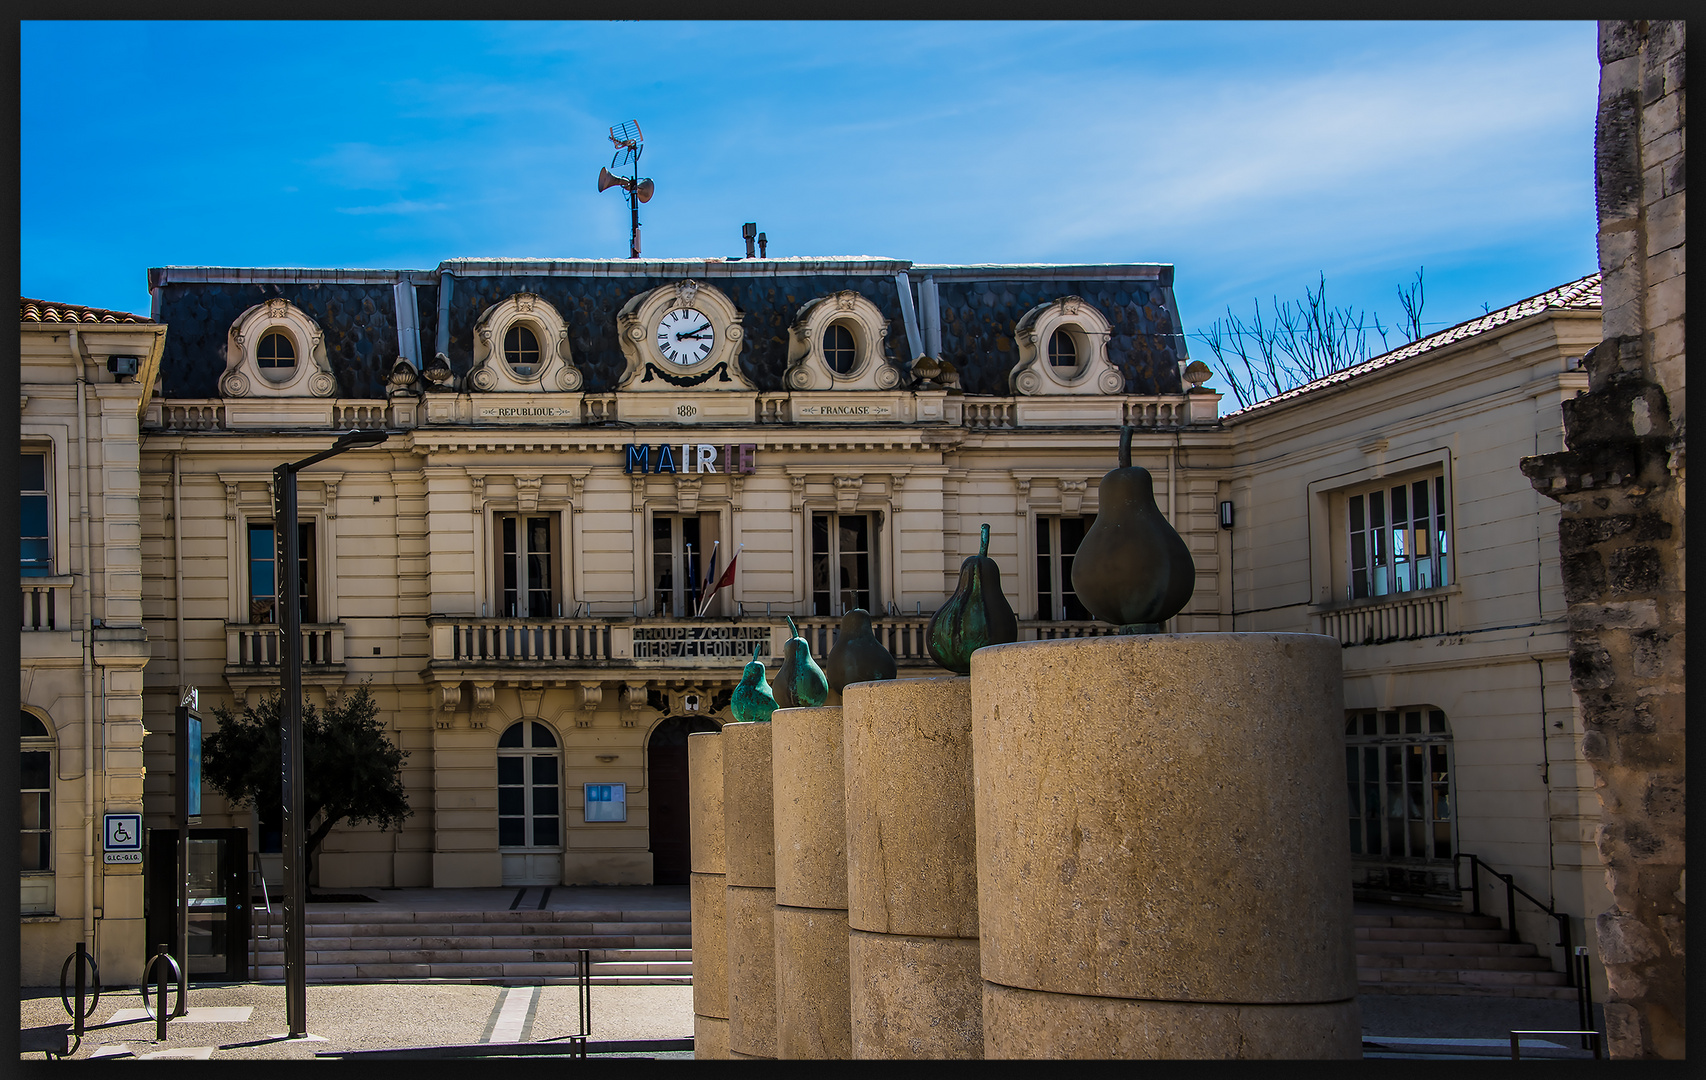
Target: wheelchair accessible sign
[{"x": 123, "y": 838}]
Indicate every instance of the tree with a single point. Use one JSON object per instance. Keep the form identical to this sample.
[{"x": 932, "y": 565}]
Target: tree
[
  {"x": 1302, "y": 341},
  {"x": 351, "y": 770}
]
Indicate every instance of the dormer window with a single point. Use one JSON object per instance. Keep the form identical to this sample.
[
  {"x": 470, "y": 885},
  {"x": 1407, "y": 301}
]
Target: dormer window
[
  {"x": 521, "y": 351},
  {"x": 1062, "y": 350},
  {"x": 276, "y": 356},
  {"x": 839, "y": 351}
]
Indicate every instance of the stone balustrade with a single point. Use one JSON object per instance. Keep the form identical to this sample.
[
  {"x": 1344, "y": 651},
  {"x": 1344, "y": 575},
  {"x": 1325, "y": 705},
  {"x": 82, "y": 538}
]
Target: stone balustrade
[
  {"x": 1390, "y": 618},
  {"x": 47, "y": 603},
  {"x": 256, "y": 645}
]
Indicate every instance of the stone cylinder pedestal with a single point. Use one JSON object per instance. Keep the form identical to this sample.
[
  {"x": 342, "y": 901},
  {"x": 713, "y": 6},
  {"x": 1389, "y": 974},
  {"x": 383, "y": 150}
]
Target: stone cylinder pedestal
[
  {"x": 708, "y": 895},
  {"x": 1162, "y": 869},
  {"x": 912, "y": 894},
  {"x": 812, "y": 998},
  {"x": 749, "y": 857}
]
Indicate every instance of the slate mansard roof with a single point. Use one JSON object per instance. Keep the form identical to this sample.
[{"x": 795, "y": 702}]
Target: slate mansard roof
[{"x": 357, "y": 311}]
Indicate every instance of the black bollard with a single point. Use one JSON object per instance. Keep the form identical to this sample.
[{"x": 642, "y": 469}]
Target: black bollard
[
  {"x": 77, "y": 1017},
  {"x": 161, "y": 961}
]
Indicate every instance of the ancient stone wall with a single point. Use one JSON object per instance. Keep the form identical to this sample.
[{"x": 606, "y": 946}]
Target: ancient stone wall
[{"x": 1621, "y": 485}]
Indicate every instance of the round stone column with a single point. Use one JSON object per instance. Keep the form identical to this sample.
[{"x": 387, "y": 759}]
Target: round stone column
[
  {"x": 750, "y": 859},
  {"x": 709, "y": 898},
  {"x": 1161, "y": 855},
  {"x": 812, "y": 998},
  {"x": 912, "y": 897}
]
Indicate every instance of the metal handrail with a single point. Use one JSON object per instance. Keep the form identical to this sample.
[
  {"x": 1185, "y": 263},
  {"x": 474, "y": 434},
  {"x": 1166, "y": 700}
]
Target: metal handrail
[{"x": 1575, "y": 960}]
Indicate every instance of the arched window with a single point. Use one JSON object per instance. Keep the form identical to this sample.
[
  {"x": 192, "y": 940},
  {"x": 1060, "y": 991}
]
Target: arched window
[
  {"x": 1398, "y": 777},
  {"x": 521, "y": 351},
  {"x": 839, "y": 350},
  {"x": 529, "y": 787},
  {"x": 276, "y": 352},
  {"x": 35, "y": 795},
  {"x": 1062, "y": 350}
]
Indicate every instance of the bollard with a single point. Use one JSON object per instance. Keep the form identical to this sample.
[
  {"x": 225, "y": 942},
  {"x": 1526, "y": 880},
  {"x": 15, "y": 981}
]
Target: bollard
[
  {"x": 81, "y": 1011},
  {"x": 160, "y": 970}
]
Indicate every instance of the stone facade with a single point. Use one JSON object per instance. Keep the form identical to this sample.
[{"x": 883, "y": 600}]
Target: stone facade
[
  {"x": 1621, "y": 484},
  {"x": 82, "y": 644}
]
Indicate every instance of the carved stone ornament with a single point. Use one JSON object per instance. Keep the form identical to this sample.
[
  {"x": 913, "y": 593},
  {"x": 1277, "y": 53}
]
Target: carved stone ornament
[
  {"x": 310, "y": 375},
  {"x": 527, "y": 493},
  {"x": 1087, "y": 330},
  {"x": 649, "y": 369},
  {"x": 450, "y": 697},
  {"x": 592, "y": 696},
  {"x": 847, "y": 489},
  {"x": 554, "y": 371},
  {"x": 808, "y": 367}
]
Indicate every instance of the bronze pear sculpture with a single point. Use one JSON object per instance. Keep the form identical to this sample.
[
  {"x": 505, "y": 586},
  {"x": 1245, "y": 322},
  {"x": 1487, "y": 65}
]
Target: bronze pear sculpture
[
  {"x": 976, "y": 615},
  {"x": 858, "y": 656},
  {"x": 800, "y": 683},
  {"x": 1132, "y": 569},
  {"x": 752, "y": 702}
]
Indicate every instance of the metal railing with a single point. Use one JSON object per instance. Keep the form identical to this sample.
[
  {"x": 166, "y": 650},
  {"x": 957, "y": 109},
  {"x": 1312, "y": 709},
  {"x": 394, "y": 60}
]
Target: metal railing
[{"x": 1575, "y": 958}]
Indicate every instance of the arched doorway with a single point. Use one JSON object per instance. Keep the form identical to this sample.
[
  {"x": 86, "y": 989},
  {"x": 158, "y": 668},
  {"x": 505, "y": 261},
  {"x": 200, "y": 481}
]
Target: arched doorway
[
  {"x": 530, "y": 805},
  {"x": 666, "y": 772}
]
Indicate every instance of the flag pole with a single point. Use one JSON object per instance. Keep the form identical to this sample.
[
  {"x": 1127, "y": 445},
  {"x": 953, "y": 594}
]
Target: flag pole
[{"x": 718, "y": 588}]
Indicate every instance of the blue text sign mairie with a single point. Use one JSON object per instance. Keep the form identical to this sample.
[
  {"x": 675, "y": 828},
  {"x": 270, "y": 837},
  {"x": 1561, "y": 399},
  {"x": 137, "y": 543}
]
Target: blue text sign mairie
[{"x": 690, "y": 458}]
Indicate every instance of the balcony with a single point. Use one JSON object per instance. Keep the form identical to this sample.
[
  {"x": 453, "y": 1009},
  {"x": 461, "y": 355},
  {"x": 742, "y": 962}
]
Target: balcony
[
  {"x": 1380, "y": 619},
  {"x": 255, "y": 646},
  {"x": 47, "y": 603},
  {"x": 638, "y": 644}
]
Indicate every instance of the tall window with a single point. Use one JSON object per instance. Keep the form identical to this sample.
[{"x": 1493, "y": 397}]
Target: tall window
[
  {"x": 1398, "y": 777},
  {"x": 35, "y": 795},
  {"x": 521, "y": 351},
  {"x": 841, "y": 563},
  {"x": 35, "y": 541},
  {"x": 680, "y": 545},
  {"x": 276, "y": 354},
  {"x": 1062, "y": 350},
  {"x": 263, "y": 572},
  {"x": 1057, "y": 542},
  {"x": 529, "y": 787},
  {"x": 838, "y": 348},
  {"x": 527, "y": 547},
  {"x": 1398, "y": 538}
]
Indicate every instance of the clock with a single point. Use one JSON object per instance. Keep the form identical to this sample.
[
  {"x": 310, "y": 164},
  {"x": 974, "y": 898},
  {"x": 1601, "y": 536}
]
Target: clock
[{"x": 685, "y": 336}]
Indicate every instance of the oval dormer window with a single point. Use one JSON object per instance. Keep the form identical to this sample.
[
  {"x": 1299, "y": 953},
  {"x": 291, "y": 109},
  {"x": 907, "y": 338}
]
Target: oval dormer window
[
  {"x": 839, "y": 350},
  {"x": 1062, "y": 350},
  {"x": 521, "y": 351},
  {"x": 276, "y": 356}
]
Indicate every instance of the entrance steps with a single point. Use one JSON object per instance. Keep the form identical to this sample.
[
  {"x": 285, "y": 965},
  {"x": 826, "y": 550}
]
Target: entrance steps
[
  {"x": 1450, "y": 954},
  {"x": 627, "y": 947}
]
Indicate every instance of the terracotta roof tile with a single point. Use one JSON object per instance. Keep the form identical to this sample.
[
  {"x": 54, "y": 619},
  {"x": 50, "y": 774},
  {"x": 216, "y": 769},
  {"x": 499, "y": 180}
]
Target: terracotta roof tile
[
  {"x": 48, "y": 311},
  {"x": 1579, "y": 295}
]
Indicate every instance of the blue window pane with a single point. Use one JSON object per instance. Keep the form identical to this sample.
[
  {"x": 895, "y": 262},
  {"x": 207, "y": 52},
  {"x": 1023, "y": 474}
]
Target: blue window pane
[{"x": 32, "y": 472}]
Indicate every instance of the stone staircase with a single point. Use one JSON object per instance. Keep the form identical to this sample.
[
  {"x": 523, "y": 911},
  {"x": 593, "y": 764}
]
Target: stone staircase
[
  {"x": 1450, "y": 954},
  {"x": 635, "y": 947}
]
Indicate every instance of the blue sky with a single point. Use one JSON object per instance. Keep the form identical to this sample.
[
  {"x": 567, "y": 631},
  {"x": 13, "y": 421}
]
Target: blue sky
[{"x": 1253, "y": 156}]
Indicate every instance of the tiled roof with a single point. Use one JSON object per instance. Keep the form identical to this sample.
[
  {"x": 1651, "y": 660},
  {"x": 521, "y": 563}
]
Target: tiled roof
[
  {"x": 47, "y": 311},
  {"x": 1579, "y": 295}
]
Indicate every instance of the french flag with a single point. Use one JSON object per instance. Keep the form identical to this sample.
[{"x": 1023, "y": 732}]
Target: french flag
[{"x": 723, "y": 582}]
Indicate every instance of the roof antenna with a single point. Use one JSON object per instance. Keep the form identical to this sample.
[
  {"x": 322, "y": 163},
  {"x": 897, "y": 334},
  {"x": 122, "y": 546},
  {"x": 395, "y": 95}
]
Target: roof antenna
[{"x": 629, "y": 142}]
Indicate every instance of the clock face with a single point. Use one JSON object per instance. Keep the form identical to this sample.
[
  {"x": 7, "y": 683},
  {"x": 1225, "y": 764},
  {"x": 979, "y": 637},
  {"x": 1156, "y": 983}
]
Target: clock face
[{"x": 685, "y": 336}]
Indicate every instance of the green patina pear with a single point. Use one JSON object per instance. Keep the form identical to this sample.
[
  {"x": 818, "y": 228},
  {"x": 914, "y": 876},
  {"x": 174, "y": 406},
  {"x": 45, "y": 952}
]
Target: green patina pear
[
  {"x": 752, "y": 702},
  {"x": 800, "y": 683},
  {"x": 976, "y": 615},
  {"x": 858, "y": 656},
  {"x": 1132, "y": 569}
]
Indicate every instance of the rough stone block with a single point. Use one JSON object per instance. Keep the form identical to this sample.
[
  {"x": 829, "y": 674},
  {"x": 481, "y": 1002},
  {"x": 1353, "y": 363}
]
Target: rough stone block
[
  {"x": 1667, "y": 226},
  {"x": 710, "y": 1038},
  {"x": 751, "y": 929},
  {"x": 808, "y": 767},
  {"x": 813, "y": 1001},
  {"x": 1131, "y": 839},
  {"x": 1027, "y": 1024},
  {"x": 1667, "y": 300},
  {"x": 705, "y": 801},
  {"x": 915, "y": 997},
  {"x": 709, "y": 905},
  {"x": 748, "y": 819},
  {"x": 911, "y": 832}
]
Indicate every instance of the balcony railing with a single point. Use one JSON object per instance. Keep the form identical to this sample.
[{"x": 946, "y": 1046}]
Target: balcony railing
[
  {"x": 1394, "y": 618},
  {"x": 255, "y": 645},
  {"x": 697, "y": 643},
  {"x": 47, "y": 603}
]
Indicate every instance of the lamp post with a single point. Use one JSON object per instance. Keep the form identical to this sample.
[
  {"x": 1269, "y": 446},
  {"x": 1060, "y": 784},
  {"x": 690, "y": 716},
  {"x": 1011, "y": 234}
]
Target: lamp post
[{"x": 288, "y": 550}]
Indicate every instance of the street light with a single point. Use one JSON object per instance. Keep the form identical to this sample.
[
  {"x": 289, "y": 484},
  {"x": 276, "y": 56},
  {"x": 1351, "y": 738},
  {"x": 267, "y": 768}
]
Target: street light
[{"x": 288, "y": 548}]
